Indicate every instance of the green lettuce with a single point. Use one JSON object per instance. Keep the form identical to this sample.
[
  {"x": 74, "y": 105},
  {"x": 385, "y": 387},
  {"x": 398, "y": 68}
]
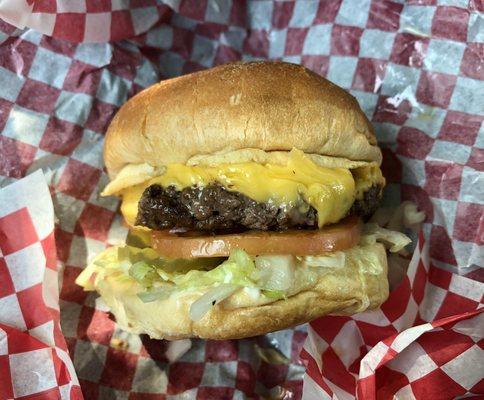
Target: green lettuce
[
  {"x": 160, "y": 277},
  {"x": 274, "y": 276},
  {"x": 395, "y": 241}
]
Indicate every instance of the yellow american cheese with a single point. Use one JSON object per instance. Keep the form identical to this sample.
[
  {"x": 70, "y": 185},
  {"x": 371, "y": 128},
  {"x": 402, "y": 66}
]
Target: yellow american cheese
[{"x": 331, "y": 191}]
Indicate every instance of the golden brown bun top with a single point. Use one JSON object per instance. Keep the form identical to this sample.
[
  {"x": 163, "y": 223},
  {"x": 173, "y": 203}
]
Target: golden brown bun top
[{"x": 259, "y": 105}]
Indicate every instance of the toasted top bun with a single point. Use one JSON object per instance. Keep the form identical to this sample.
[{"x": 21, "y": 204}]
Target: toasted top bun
[
  {"x": 258, "y": 105},
  {"x": 340, "y": 291}
]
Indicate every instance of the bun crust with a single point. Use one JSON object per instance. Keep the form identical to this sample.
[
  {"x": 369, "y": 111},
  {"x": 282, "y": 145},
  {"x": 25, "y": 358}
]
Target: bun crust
[
  {"x": 261, "y": 105},
  {"x": 340, "y": 291}
]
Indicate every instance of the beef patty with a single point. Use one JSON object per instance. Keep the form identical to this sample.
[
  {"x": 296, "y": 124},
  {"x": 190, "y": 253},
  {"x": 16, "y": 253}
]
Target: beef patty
[{"x": 213, "y": 208}]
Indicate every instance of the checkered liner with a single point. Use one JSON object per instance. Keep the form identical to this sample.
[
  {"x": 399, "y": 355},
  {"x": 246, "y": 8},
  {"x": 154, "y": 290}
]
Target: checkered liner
[
  {"x": 410, "y": 358},
  {"x": 87, "y": 21},
  {"x": 33, "y": 352},
  {"x": 415, "y": 69}
]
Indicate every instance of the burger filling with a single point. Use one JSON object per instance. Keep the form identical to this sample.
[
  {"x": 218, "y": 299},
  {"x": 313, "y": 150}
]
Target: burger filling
[
  {"x": 216, "y": 209},
  {"x": 240, "y": 280},
  {"x": 252, "y": 196},
  {"x": 245, "y": 196}
]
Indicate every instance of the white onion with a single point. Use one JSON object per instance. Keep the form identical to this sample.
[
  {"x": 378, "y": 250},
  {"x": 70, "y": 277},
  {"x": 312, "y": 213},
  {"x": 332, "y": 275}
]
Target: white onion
[
  {"x": 253, "y": 292},
  {"x": 161, "y": 293},
  {"x": 334, "y": 260},
  {"x": 214, "y": 296},
  {"x": 393, "y": 240},
  {"x": 411, "y": 215},
  {"x": 276, "y": 271}
]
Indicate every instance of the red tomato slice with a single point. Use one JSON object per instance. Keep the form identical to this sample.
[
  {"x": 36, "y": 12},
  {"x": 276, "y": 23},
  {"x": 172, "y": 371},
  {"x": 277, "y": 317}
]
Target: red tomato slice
[{"x": 330, "y": 238}]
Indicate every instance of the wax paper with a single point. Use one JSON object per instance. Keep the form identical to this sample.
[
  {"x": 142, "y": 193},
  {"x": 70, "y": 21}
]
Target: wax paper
[
  {"x": 33, "y": 353},
  {"x": 415, "y": 68}
]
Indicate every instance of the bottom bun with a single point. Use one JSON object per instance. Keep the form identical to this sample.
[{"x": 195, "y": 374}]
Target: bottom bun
[{"x": 338, "y": 291}]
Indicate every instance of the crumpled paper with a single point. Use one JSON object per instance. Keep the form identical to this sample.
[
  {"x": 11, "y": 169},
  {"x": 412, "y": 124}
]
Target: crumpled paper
[
  {"x": 33, "y": 353},
  {"x": 415, "y": 69}
]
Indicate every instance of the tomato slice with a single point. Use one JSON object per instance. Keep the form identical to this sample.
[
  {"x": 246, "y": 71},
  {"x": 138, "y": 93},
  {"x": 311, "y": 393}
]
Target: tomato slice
[{"x": 331, "y": 238}]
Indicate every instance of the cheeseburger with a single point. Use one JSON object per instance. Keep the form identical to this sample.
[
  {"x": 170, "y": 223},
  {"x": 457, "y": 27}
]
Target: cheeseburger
[{"x": 246, "y": 188}]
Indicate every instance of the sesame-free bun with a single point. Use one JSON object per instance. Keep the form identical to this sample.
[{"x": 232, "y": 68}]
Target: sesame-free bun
[
  {"x": 344, "y": 290},
  {"x": 270, "y": 106}
]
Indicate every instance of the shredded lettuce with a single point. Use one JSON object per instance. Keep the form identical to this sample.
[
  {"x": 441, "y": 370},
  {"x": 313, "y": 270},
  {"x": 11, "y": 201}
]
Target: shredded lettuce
[
  {"x": 395, "y": 241},
  {"x": 238, "y": 269},
  {"x": 332, "y": 260},
  {"x": 272, "y": 276},
  {"x": 143, "y": 273},
  {"x": 161, "y": 293},
  {"x": 365, "y": 259},
  {"x": 275, "y": 272},
  {"x": 161, "y": 277}
]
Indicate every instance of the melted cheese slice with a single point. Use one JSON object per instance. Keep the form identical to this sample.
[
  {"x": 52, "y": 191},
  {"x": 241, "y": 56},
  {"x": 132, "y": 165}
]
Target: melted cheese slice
[{"x": 331, "y": 191}]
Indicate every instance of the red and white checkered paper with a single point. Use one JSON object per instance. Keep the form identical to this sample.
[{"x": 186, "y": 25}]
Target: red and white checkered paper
[
  {"x": 416, "y": 69},
  {"x": 34, "y": 362}
]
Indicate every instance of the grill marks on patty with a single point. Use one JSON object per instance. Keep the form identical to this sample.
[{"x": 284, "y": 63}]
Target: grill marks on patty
[{"x": 213, "y": 208}]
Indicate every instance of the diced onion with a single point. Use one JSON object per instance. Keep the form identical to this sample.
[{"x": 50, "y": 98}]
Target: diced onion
[
  {"x": 411, "y": 216},
  {"x": 156, "y": 294},
  {"x": 276, "y": 272},
  {"x": 396, "y": 241},
  {"x": 214, "y": 296},
  {"x": 253, "y": 292},
  {"x": 335, "y": 260}
]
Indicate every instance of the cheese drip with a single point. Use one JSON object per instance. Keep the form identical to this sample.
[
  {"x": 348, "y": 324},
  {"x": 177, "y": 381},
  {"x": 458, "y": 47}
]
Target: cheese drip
[{"x": 331, "y": 191}]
